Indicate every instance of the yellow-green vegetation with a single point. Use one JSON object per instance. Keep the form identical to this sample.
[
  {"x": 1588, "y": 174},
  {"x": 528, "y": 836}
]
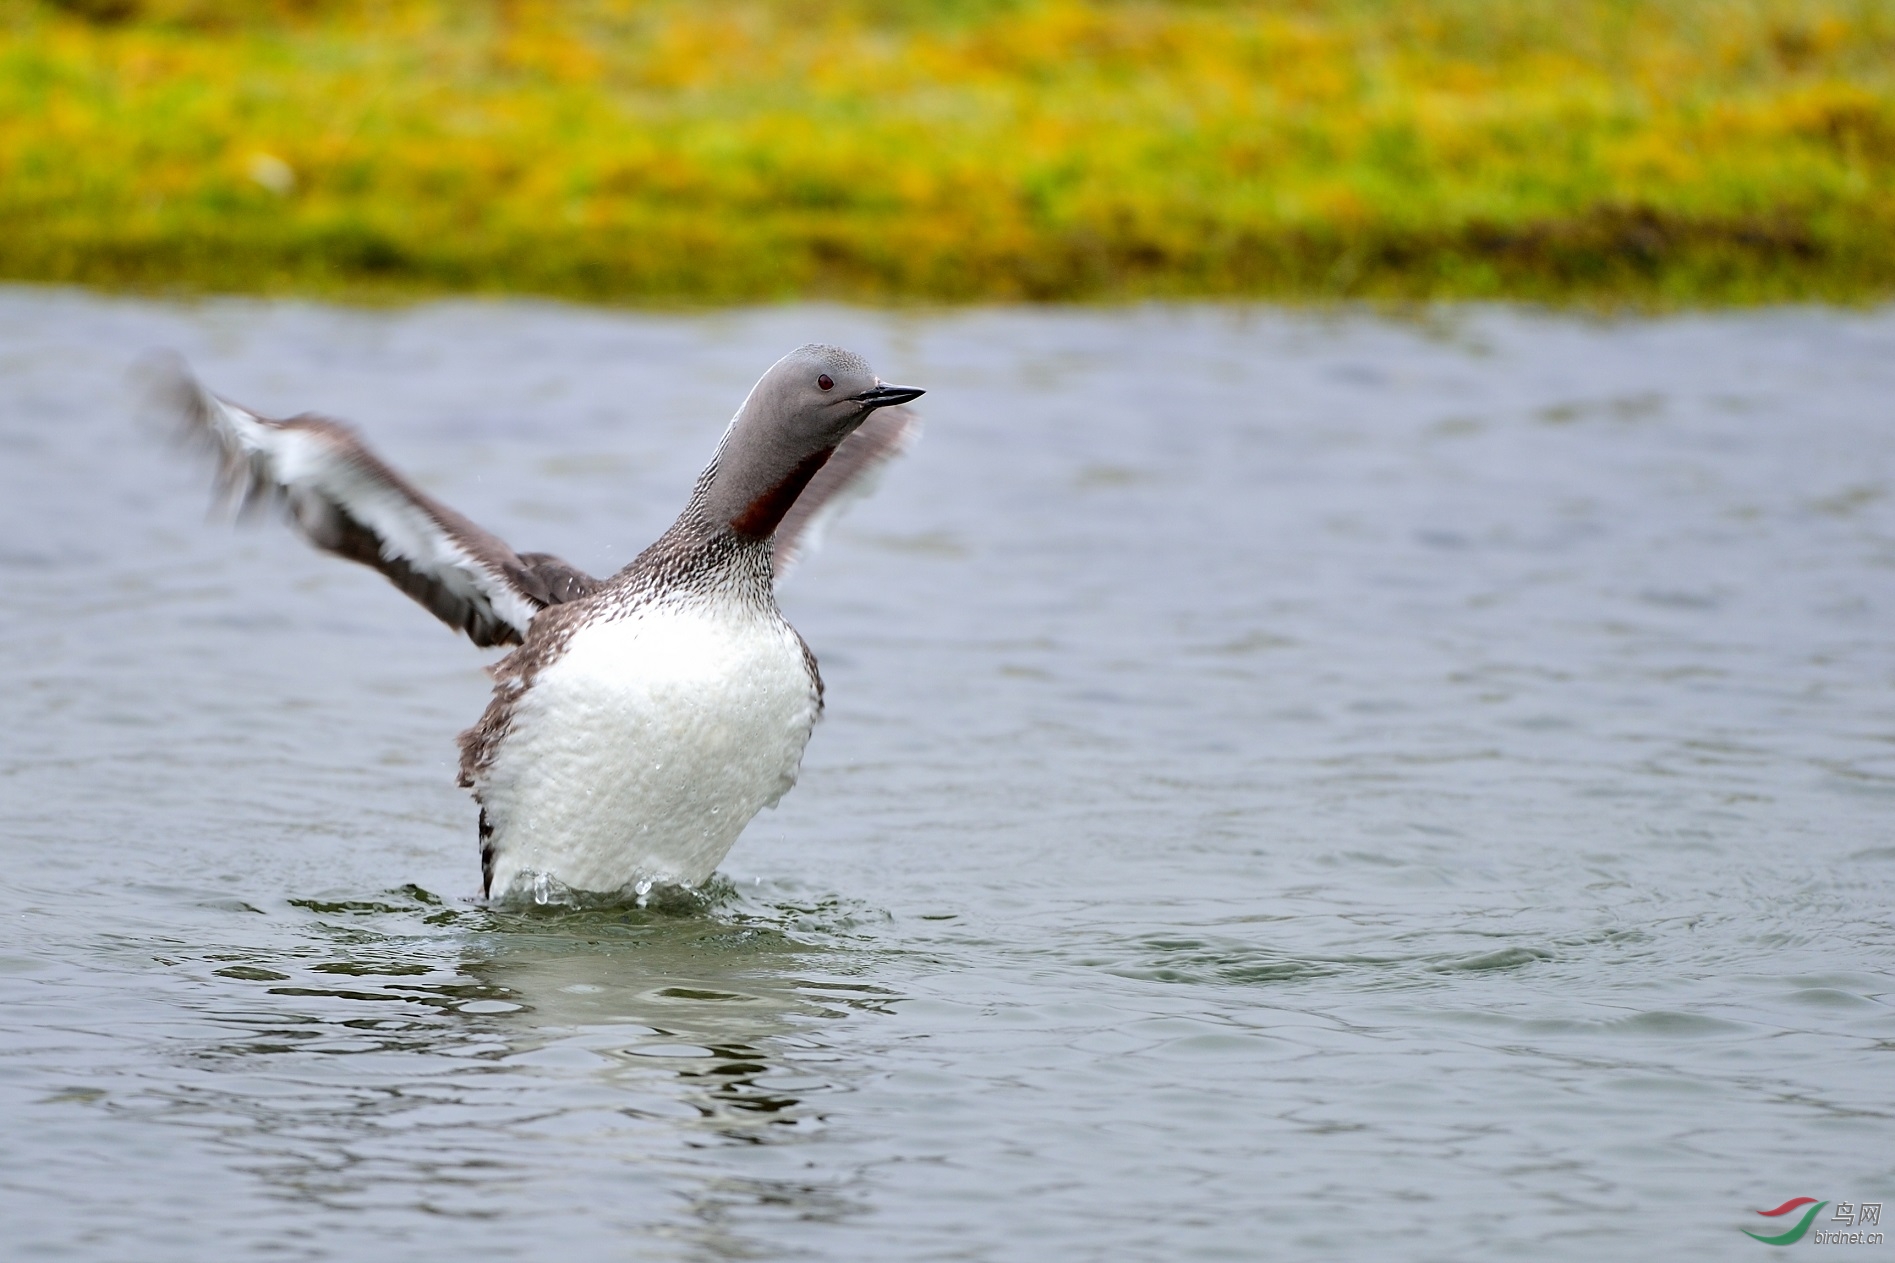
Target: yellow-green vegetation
[{"x": 1653, "y": 150}]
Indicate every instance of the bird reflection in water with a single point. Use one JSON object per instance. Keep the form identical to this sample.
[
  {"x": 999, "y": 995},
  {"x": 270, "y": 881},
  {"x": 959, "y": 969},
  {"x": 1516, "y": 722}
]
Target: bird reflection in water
[{"x": 515, "y": 1048}]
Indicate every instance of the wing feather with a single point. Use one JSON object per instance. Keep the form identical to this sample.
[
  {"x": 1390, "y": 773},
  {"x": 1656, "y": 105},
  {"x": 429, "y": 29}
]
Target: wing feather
[
  {"x": 345, "y": 500},
  {"x": 846, "y": 477}
]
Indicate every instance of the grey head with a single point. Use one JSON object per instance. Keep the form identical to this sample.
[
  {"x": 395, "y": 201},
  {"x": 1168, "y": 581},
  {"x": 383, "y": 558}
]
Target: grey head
[{"x": 797, "y": 414}]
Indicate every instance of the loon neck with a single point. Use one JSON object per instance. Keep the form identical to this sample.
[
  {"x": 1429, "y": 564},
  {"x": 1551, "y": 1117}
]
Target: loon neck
[{"x": 698, "y": 550}]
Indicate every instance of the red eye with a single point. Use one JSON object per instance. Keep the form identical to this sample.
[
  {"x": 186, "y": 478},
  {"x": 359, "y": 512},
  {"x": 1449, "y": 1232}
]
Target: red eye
[{"x": 824, "y": 381}]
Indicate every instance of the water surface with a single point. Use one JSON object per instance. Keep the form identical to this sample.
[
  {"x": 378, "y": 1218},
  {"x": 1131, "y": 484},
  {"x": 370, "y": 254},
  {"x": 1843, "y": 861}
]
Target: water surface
[{"x": 1295, "y": 785}]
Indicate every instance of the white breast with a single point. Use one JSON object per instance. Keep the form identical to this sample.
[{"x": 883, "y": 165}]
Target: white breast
[{"x": 645, "y": 748}]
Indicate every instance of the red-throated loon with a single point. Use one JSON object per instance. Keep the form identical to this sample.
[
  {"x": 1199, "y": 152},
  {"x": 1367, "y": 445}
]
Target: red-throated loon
[{"x": 645, "y": 718}]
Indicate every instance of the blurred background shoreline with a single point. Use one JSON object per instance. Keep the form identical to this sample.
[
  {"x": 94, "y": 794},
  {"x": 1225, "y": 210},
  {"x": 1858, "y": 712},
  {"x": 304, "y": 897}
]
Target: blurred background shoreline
[{"x": 1599, "y": 152}]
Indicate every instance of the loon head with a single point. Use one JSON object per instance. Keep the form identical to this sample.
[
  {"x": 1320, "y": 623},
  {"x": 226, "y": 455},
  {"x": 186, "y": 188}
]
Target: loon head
[{"x": 795, "y": 417}]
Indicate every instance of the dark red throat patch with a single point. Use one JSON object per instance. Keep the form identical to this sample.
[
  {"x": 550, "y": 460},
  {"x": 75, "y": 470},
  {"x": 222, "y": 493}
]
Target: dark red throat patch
[{"x": 759, "y": 520}]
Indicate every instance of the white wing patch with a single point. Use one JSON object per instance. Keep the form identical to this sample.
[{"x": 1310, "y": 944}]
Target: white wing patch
[{"x": 319, "y": 477}]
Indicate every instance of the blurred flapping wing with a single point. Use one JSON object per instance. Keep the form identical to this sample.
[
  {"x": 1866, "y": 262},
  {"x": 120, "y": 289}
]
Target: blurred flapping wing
[
  {"x": 848, "y": 475},
  {"x": 346, "y": 501}
]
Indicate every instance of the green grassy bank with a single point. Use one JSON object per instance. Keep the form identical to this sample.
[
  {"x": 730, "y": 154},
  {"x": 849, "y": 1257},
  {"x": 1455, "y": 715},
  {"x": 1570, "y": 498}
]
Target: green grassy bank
[{"x": 1672, "y": 151}]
